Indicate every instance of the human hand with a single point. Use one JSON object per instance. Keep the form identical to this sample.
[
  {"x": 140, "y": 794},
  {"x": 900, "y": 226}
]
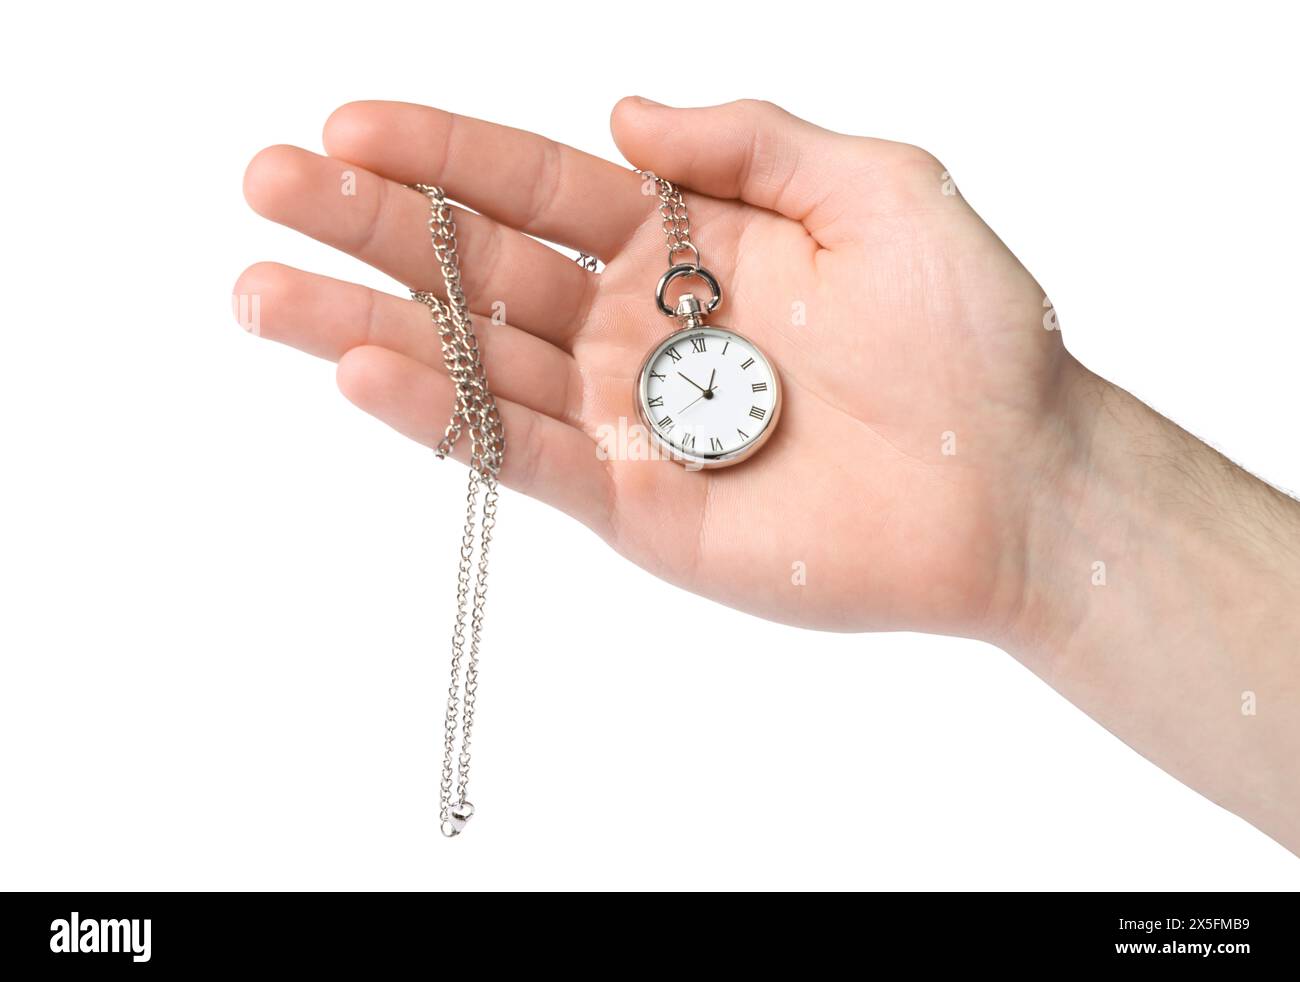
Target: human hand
[{"x": 920, "y": 383}]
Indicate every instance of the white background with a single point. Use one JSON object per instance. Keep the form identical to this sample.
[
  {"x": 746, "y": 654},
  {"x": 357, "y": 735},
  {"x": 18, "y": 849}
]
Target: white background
[{"x": 225, "y": 593}]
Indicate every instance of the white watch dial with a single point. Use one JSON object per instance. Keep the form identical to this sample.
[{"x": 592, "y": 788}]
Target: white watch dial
[{"x": 710, "y": 394}]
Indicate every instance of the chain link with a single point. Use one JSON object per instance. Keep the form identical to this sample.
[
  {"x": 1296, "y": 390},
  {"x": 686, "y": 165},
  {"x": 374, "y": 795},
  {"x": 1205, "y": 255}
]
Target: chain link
[
  {"x": 475, "y": 412},
  {"x": 672, "y": 213},
  {"x": 673, "y": 217}
]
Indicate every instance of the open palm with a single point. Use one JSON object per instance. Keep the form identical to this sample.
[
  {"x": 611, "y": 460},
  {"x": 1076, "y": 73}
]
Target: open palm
[{"x": 918, "y": 373}]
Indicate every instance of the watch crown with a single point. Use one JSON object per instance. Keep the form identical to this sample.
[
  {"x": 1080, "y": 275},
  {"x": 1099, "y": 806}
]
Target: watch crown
[{"x": 688, "y": 310}]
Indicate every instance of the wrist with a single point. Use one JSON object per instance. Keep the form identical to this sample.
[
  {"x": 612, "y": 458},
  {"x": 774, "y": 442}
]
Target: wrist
[
  {"x": 1125, "y": 498},
  {"x": 1160, "y": 596}
]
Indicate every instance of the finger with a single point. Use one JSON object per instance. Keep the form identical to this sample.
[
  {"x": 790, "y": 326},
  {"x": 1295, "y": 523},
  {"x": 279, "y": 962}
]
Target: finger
[
  {"x": 328, "y": 318},
  {"x": 386, "y": 225},
  {"x": 756, "y": 152},
  {"x": 543, "y": 458},
  {"x": 521, "y": 179}
]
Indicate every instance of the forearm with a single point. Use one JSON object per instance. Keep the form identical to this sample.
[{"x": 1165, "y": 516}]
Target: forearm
[{"x": 1163, "y": 598}]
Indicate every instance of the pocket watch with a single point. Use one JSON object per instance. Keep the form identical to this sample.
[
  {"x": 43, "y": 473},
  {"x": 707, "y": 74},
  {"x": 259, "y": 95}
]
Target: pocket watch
[{"x": 708, "y": 396}]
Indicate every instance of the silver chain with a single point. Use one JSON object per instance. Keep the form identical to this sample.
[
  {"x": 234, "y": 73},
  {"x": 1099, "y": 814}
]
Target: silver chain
[
  {"x": 676, "y": 223},
  {"x": 475, "y": 412}
]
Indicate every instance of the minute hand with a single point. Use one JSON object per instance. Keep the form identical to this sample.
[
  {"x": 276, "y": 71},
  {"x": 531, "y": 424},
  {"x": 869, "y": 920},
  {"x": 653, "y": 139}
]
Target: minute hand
[{"x": 697, "y": 385}]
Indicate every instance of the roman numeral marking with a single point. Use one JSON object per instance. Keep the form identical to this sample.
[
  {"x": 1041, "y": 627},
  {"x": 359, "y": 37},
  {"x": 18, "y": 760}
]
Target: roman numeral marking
[
  {"x": 743, "y": 434},
  {"x": 697, "y": 345},
  {"x": 661, "y": 378},
  {"x": 688, "y": 441},
  {"x": 666, "y": 423},
  {"x": 656, "y": 402},
  {"x": 757, "y": 413},
  {"x": 747, "y": 362},
  {"x": 715, "y": 443},
  {"x": 725, "y": 347},
  {"x": 759, "y": 386},
  {"x": 675, "y": 355}
]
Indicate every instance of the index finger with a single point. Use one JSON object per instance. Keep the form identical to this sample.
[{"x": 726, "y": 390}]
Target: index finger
[{"x": 520, "y": 179}]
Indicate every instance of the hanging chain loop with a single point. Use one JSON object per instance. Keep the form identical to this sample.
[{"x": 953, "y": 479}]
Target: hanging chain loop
[{"x": 474, "y": 412}]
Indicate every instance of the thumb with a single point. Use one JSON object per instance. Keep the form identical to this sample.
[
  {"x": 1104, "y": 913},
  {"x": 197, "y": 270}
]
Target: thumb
[{"x": 761, "y": 154}]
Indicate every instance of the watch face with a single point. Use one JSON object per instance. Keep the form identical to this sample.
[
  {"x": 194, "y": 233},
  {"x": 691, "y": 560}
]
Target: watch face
[{"x": 710, "y": 395}]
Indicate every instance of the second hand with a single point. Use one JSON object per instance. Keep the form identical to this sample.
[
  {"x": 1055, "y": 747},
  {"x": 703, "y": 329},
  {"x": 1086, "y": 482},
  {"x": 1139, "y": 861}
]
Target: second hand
[{"x": 708, "y": 394}]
